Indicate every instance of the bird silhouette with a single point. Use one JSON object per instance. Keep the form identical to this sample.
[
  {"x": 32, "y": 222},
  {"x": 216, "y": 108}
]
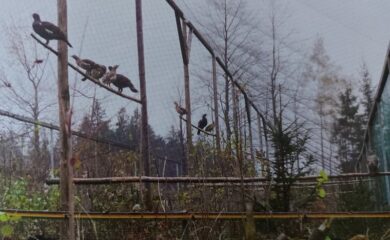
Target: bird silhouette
[
  {"x": 202, "y": 123},
  {"x": 180, "y": 110},
  {"x": 48, "y": 30}
]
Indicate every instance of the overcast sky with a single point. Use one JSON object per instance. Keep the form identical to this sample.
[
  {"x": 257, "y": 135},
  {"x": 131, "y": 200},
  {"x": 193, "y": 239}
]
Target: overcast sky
[{"x": 353, "y": 31}]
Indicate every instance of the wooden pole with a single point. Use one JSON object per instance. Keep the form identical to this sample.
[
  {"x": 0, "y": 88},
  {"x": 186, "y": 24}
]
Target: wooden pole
[
  {"x": 259, "y": 132},
  {"x": 216, "y": 114},
  {"x": 187, "y": 101},
  {"x": 248, "y": 112},
  {"x": 67, "y": 230},
  {"x": 182, "y": 32},
  {"x": 57, "y": 128},
  {"x": 203, "y": 180},
  {"x": 145, "y": 158}
]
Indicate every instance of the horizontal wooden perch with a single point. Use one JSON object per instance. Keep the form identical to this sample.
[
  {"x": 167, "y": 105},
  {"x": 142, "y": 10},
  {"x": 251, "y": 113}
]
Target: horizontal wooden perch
[
  {"x": 194, "y": 215},
  {"x": 197, "y": 180},
  {"x": 203, "y": 131},
  {"x": 57, "y": 128},
  {"x": 144, "y": 179},
  {"x": 85, "y": 75}
]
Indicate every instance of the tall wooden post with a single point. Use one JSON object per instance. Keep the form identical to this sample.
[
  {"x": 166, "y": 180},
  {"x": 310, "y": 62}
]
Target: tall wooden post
[
  {"x": 248, "y": 113},
  {"x": 67, "y": 231},
  {"x": 259, "y": 132},
  {"x": 145, "y": 162},
  {"x": 187, "y": 101},
  {"x": 215, "y": 91},
  {"x": 237, "y": 140}
]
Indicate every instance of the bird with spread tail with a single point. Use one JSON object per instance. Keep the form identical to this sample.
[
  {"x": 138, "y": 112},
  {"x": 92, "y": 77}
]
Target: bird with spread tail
[
  {"x": 210, "y": 127},
  {"x": 48, "y": 30},
  {"x": 121, "y": 82},
  {"x": 180, "y": 110},
  {"x": 202, "y": 123},
  {"x": 110, "y": 75}
]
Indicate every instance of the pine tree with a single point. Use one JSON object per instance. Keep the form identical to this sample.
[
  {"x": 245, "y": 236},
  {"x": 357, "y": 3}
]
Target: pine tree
[
  {"x": 366, "y": 91},
  {"x": 347, "y": 131}
]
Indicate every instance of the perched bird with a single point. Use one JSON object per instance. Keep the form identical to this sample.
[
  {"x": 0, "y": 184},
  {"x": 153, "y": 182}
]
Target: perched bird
[
  {"x": 372, "y": 164},
  {"x": 180, "y": 110},
  {"x": 202, "y": 123},
  {"x": 48, "y": 30},
  {"x": 38, "y": 61},
  {"x": 98, "y": 71},
  {"x": 137, "y": 208},
  {"x": 121, "y": 82},
  {"x": 110, "y": 75},
  {"x": 85, "y": 64},
  {"x": 210, "y": 127}
]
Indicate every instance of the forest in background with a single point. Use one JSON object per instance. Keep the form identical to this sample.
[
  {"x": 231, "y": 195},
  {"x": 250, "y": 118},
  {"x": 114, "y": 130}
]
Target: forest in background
[{"x": 277, "y": 80}]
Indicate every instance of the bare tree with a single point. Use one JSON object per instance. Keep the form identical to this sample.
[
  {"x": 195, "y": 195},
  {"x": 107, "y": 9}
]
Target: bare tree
[
  {"x": 322, "y": 75},
  {"x": 228, "y": 26},
  {"x": 26, "y": 86}
]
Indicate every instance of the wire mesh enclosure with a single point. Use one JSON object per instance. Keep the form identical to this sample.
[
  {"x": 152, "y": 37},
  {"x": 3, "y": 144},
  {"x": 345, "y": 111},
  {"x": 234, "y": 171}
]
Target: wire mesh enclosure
[{"x": 135, "y": 122}]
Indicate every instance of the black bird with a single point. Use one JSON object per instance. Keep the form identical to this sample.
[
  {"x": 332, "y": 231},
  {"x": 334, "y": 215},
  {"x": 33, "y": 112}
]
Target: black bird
[
  {"x": 180, "y": 110},
  {"x": 121, "y": 82},
  {"x": 202, "y": 123},
  {"x": 48, "y": 30},
  {"x": 110, "y": 75}
]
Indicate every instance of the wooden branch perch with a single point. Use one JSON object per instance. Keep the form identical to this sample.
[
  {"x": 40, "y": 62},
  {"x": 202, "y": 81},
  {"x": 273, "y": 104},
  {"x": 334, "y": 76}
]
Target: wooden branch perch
[
  {"x": 184, "y": 214},
  {"x": 85, "y": 75},
  {"x": 201, "y": 180},
  {"x": 145, "y": 179},
  {"x": 203, "y": 131},
  {"x": 57, "y": 128}
]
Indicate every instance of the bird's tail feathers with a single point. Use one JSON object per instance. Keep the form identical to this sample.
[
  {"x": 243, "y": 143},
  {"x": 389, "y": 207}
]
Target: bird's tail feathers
[{"x": 133, "y": 89}]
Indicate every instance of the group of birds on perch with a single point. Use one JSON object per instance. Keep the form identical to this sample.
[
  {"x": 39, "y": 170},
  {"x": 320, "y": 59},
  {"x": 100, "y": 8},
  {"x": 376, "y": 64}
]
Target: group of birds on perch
[
  {"x": 92, "y": 69},
  {"x": 49, "y": 31},
  {"x": 202, "y": 124}
]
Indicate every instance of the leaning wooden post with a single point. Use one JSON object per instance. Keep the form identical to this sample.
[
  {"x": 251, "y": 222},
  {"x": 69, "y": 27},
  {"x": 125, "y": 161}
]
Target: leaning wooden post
[
  {"x": 67, "y": 230},
  {"x": 215, "y": 91},
  {"x": 144, "y": 109},
  {"x": 185, "y": 51}
]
